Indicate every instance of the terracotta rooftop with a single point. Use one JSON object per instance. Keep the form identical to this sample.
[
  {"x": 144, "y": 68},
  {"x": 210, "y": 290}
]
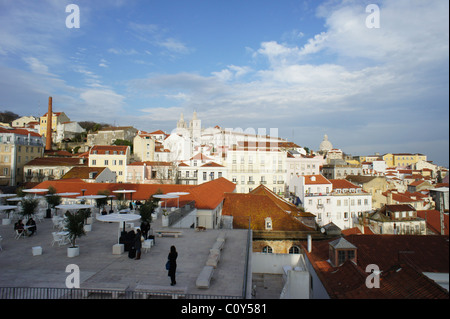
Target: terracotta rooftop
[
  {"x": 401, "y": 259},
  {"x": 212, "y": 164},
  {"x": 207, "y": 195},
  {"x": 83, "y": 172},
  {"x": 315, "y": 179},
  {"x": 56, "y": 161},
  {"x": 102, "y": 149},
  {"x": 433, "y": 219},
  {"x": 258, "y": 205},
  {"x": 18, "y": 131},
  {"x": 343, "y": 184}
]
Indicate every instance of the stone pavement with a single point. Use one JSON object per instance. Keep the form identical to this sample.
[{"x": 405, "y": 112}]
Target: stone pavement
[{"x": 97, "y": 264}]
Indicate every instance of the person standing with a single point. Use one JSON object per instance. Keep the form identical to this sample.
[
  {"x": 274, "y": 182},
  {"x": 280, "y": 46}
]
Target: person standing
[
  {"x": 172, "y": 265},
  {"x": 145, "y": 227},
  {"x": 138, "y": 244}
]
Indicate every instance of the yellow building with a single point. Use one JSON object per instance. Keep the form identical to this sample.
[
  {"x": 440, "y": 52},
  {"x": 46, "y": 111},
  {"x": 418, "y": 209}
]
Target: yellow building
[
  {"x": 17, "y": 147},
  {"x": 57, "y": 118},
  {"x": 116, "y": 158},
  {"x": 144, "y": 147},
  {"x": 402, "y": 159}
]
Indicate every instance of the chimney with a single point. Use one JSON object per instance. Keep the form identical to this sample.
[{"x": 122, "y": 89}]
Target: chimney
[
  {"x": 309, "y": 243},
  {"x": 48, "y": 137}
]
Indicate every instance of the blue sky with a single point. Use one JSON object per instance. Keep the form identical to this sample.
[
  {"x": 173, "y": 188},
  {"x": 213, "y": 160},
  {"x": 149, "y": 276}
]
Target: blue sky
[{"x": 307, "y": 68}]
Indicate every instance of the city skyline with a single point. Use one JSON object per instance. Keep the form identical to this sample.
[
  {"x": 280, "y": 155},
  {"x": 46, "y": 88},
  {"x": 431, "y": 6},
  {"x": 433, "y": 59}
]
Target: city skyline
[{"x": 307, "y": 68}]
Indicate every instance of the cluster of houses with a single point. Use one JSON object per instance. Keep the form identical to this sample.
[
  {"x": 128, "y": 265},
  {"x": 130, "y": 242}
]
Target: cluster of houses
[{"x": 285, "y": 193}]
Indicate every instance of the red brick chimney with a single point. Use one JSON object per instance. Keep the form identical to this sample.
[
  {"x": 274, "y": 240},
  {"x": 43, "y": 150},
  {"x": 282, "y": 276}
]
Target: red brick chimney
[{"x": 48, "y": 137}]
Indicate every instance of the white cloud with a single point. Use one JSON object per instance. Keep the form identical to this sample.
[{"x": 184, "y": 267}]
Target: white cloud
[
  {"x": 102, "y": 102},
  {"x": 37, "y": 66}
]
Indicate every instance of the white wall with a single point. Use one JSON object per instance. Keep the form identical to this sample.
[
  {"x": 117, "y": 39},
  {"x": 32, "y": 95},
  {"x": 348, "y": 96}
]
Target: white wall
[{"x": 273, "y": 263}]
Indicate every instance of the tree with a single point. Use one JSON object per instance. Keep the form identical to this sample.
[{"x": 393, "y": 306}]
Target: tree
[
  {"x": 8, "y": 117},
  {"x": 102, "y": 201},
  {"x": 29, "y": 205},
  {"x": 75, "y": 226},
  {"x": 51, "y": 198}
]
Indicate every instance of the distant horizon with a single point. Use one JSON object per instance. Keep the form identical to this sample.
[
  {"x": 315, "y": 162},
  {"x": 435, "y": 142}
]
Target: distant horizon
[{"x": 373, "y": 76}]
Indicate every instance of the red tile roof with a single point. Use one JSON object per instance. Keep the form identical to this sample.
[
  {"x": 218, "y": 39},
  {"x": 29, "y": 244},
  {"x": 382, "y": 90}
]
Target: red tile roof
[
  {"x": 342, "y": 184},
  {"x": 212, "y": 164},
  {"x": 258, "y": 205},
  {"x": 207, "y": 195},
  {"x": 101, "y": 149},
  {"x": 315, "y": 179},
  {"x": 200, "y": 156},
  {"x": 19, "y": 131},
  {"x": 401, "y": 259},
  {"x": 56, "y": 161},
  {"x": 433, "y": 219},
  {"x": 83, "y": 172}
]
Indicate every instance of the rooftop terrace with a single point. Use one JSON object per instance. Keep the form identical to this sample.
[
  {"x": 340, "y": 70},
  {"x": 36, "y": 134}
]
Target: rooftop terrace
[{"x": 99, "y": 267}]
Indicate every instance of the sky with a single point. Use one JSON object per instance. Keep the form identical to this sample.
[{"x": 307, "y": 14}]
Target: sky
[{"x": 372, "y": 75}]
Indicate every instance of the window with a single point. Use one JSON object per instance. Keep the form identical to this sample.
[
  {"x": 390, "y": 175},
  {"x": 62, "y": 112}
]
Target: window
[
  {"x": 341, "y": 257},
  {"x": 268, "y": 223},
  {"x": 267, "y": 250},
  {"x": 106, "y": 162},
  {"x": 204, "y": 176},
  {"x": 94, "y": 162},
  {"x": 294, "y": 250}
]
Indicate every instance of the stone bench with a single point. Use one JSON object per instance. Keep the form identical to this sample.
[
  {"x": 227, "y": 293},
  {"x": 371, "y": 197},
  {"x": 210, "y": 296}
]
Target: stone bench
[
  {"x": 115, "y": 289},
  {"x": 161, "y": 233},
  {"x": 204, "y": 278},
  {"x": 221, "y": 237},
  {"x": 213, "y": 258},
  {"x": 218, "y": 245},
  {"x": 148, "y": 290}
]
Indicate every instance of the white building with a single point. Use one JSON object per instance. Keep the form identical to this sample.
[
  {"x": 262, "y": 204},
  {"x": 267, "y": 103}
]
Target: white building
[
  {"x": 67, "y": 130},
  {"x": 337, "y": 201},
  {"x": 250, "y": 165},
  {"x": 200, "y": 169}
]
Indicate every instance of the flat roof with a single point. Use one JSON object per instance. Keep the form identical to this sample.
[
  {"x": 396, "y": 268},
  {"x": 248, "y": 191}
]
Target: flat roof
[{"x": 97, "y": 264}]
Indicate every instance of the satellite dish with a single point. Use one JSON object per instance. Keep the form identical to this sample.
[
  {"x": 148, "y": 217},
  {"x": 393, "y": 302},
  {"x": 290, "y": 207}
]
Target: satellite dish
[{"x": 322, "y": 230}]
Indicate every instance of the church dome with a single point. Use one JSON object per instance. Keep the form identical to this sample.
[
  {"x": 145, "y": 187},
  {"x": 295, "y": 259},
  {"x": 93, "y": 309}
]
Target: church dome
[{"x": 325, "y": 145}]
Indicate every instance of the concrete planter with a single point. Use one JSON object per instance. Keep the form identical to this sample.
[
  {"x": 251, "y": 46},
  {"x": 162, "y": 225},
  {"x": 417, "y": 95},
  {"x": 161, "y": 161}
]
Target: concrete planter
[
  {"x": 73, "y": 251},
  {"x": 165, "y": 221}
]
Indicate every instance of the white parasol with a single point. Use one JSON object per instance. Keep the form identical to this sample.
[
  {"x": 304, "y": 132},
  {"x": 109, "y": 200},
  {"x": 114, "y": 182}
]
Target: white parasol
[
  {"x": 165, "y": 196},
  {"x": 118, "y": 218},
  {"x": 178, "y": 194}
]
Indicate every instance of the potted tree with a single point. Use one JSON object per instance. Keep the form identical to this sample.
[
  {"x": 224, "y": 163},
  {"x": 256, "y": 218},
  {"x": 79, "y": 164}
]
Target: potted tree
[
  {"x": 29, "y": 205},
  {"x": 75, "y": 227},
  {"x": 87, "y": 219},
  {"x": 52, "y": 200}
]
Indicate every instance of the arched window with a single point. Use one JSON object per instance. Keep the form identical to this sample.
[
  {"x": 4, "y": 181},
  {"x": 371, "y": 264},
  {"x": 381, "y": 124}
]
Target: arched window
[
  {"x": 267, "y": 250},
  {"x": 294, "y": 250}
]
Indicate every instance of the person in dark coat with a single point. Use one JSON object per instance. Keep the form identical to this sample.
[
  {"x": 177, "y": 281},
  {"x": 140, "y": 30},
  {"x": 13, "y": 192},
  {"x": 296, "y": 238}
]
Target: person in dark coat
[
  {"x": 32, "y": 226},
  {"x": 138, "y": 244},
  {"x": 145, "y": 227},
  {"x": 172, "y": 264}
]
